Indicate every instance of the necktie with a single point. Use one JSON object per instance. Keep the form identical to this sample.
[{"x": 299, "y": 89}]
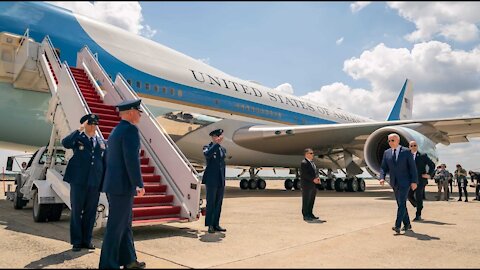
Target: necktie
[
  {"x": 414, "y": 155},
  {"x": 395, "y": 154},
  {"x": 91, "y": 141}
]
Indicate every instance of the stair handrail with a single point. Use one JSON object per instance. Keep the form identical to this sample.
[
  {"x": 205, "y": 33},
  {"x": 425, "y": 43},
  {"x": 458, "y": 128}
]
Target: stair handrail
[
  {"x": 26, "y": 36},
  {"x": 50, "y": 52},
  {"x": 162, "y": 130}
]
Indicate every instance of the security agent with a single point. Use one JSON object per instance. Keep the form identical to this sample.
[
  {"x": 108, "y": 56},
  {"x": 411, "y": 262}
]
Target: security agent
[
  {"x": 123, "y": 180},
  {"x": 214, "y": 180},
  {"x": 85, "y": 172}
]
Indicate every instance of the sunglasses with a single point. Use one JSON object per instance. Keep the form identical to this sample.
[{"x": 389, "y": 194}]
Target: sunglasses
[
  {"x": 391, "y": 140},
  {"x": 413, "y": 145},
  {"x": 310, "y": 153}
]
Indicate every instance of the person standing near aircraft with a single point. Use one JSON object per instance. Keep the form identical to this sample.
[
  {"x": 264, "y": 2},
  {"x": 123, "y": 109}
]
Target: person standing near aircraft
[
  {"x": 85, "y": 172},
  {"x": 123, "y": 180},
  {"x": 399, "y": 164},
  {"x": 214, "y": 180},
  {"x": 309, "y": 177},
  {"x": 461, "y": 176},
  {"x": 421, "y": 162}
]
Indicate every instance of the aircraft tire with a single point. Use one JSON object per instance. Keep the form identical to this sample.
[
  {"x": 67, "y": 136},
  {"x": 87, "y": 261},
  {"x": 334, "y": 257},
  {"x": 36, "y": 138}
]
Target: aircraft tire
[
  {"x": 252, "y": 184},
  {"x": 330, "y": 184},
  {"x": 297, "y": 184},
  {"x": 361, "y": 185},
  {"x": 339, "y": 185},
  {"x": 244, "y": 184},
  {"x": 261, "y": 183},
  {"x": 288, "y": 184},
  {"x": 352, "y": 185}
]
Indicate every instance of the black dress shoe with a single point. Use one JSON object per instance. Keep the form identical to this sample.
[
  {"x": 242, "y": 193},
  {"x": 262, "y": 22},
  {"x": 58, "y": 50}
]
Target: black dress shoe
[
  {"x": 219, "y": 229},
  {"x": 307, "y": 218},
  {"x": 211, "y": 229},
  {"x": 397, "y": 230},
  {"x": 135, "y": 265},
  {"x": 89, "y": 246},
  {"x": 76, "y": 248},
  {"x": 314, "y": 217},
  {"x": 407, "y": 228}
]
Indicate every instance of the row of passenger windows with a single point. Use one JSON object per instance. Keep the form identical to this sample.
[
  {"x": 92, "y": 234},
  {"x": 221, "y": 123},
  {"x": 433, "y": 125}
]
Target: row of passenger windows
[
  {"x": 179, "y": 92},
  {"x": 156, "y": 88},
  {"x": 248, "y": 108}
]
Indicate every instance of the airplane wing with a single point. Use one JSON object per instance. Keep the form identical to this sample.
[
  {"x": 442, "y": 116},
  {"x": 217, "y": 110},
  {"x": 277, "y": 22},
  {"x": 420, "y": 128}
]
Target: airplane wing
[{"x": 287, "y": 140}]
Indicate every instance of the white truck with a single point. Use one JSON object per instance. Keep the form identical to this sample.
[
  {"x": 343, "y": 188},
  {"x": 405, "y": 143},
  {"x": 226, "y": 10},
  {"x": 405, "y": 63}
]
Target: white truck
[{"x": 41, "y": 182}]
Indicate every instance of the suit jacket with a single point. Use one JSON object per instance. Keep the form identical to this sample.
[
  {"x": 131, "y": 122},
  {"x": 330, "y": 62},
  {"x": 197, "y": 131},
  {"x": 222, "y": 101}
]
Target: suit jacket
[
  {"x": 123, "y": 174},
  {"x": 307, "y": 172},
  {"x": 214, "y": 174},
  {"x": 421, "y": 161},
  {"x": 87, "y": 165},
  {"x": 402, "y": 172}
]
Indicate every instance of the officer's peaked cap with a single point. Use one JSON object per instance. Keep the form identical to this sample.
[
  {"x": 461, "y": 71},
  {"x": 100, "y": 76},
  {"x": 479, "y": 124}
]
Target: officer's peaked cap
[
  {"x": 216, "y": 132},
  {"x": 129, "y": 104},
  {"x": 92, "y": 119}
]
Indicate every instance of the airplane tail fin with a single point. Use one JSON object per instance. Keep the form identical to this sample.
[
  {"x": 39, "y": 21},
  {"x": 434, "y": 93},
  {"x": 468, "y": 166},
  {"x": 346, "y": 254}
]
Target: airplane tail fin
[{"x": 402, "y": 110}]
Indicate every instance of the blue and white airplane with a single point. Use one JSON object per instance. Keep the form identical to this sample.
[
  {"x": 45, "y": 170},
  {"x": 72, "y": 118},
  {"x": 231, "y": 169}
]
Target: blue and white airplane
[{"x": 263, "y": 127}]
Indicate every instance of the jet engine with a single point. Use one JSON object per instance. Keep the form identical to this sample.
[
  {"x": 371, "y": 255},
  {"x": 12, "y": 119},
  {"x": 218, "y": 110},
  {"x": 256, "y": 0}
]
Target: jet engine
[{"x": 377, "y": 143}]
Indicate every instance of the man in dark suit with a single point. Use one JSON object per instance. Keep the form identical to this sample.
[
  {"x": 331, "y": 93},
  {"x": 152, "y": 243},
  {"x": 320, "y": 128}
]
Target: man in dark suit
[
  {"x": 214, "y": 180},
  {"x": 85, "y": 172},
  {"x": 421, "y": 162},
  {"x": 309, "y": 177},
  {"x": 123, "y": 180},
  {"x": 399, "y": 164}
]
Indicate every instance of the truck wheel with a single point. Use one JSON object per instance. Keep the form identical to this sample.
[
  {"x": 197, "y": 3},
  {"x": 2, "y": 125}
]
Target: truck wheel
[
  {"x": 55, "y": 212},
  {"x": 40, "y": 211},
  {"x": 18, "y": 202}
]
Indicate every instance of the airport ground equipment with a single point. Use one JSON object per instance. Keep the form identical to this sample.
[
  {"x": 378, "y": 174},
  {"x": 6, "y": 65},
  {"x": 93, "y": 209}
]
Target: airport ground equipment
[{"x": 172, "y": 185}]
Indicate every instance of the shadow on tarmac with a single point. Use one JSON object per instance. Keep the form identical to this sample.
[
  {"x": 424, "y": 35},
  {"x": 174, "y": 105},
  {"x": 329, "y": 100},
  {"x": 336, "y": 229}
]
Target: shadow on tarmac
[
  {"x": 58, "y": 258},
  {"x": 212, "y": 237},
  {"x": 421, "y": 237}
]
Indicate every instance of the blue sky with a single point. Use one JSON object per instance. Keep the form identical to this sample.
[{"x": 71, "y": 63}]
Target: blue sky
[{"x": 349, "y": 55}]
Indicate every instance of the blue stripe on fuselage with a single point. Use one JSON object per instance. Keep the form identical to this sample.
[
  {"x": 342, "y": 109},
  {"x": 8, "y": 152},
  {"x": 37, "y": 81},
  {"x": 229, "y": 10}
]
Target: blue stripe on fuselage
[{"x": 68, "y": 35}]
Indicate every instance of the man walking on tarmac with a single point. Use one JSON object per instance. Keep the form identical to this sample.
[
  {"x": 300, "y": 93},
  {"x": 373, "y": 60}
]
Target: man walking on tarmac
[
  {"x": 85, "y": 172},
  {"x": 123, "y": 180}
]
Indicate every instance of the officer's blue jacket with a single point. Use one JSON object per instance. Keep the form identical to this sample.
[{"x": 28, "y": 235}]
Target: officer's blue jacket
[
  {"x": 87, "y": 165},
  {"x": 214, "y": 174},
  {"x": 123, "y": 173}
]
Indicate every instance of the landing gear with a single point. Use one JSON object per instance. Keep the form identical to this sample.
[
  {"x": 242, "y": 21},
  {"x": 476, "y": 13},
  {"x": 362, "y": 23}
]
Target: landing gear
[
  {"x": 254, "y": 182},
  {"x": 296, "y": 184}
]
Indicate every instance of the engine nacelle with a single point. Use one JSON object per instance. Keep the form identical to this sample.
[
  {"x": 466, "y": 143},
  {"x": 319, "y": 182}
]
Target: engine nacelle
[{"x": 377, "y": 143}]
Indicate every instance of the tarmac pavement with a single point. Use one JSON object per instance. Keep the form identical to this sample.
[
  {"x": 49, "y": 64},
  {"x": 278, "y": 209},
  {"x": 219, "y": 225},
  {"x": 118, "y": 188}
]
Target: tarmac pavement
[{"x": 265, "y": 229}]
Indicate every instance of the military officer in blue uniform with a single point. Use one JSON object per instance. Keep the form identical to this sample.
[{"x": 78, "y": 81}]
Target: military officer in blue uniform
[
  {"x": 123, "y": 181},
  {"x": 214, "y": 180},
  {"x": 85, "y": 172}
]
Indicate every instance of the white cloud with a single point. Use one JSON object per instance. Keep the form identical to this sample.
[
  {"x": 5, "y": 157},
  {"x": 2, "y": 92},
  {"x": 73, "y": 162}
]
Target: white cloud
[
  {"x": 452, "y": 20},
  {"x": 339, "y": 41},
  {"x": 126, "y": 15},
  {"x": 285, "y": 88},
  {"x": 359, "y": 5}
]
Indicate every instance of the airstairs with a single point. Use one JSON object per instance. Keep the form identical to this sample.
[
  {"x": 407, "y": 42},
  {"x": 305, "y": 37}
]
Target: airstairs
[{"x": 172, "y": 186}]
